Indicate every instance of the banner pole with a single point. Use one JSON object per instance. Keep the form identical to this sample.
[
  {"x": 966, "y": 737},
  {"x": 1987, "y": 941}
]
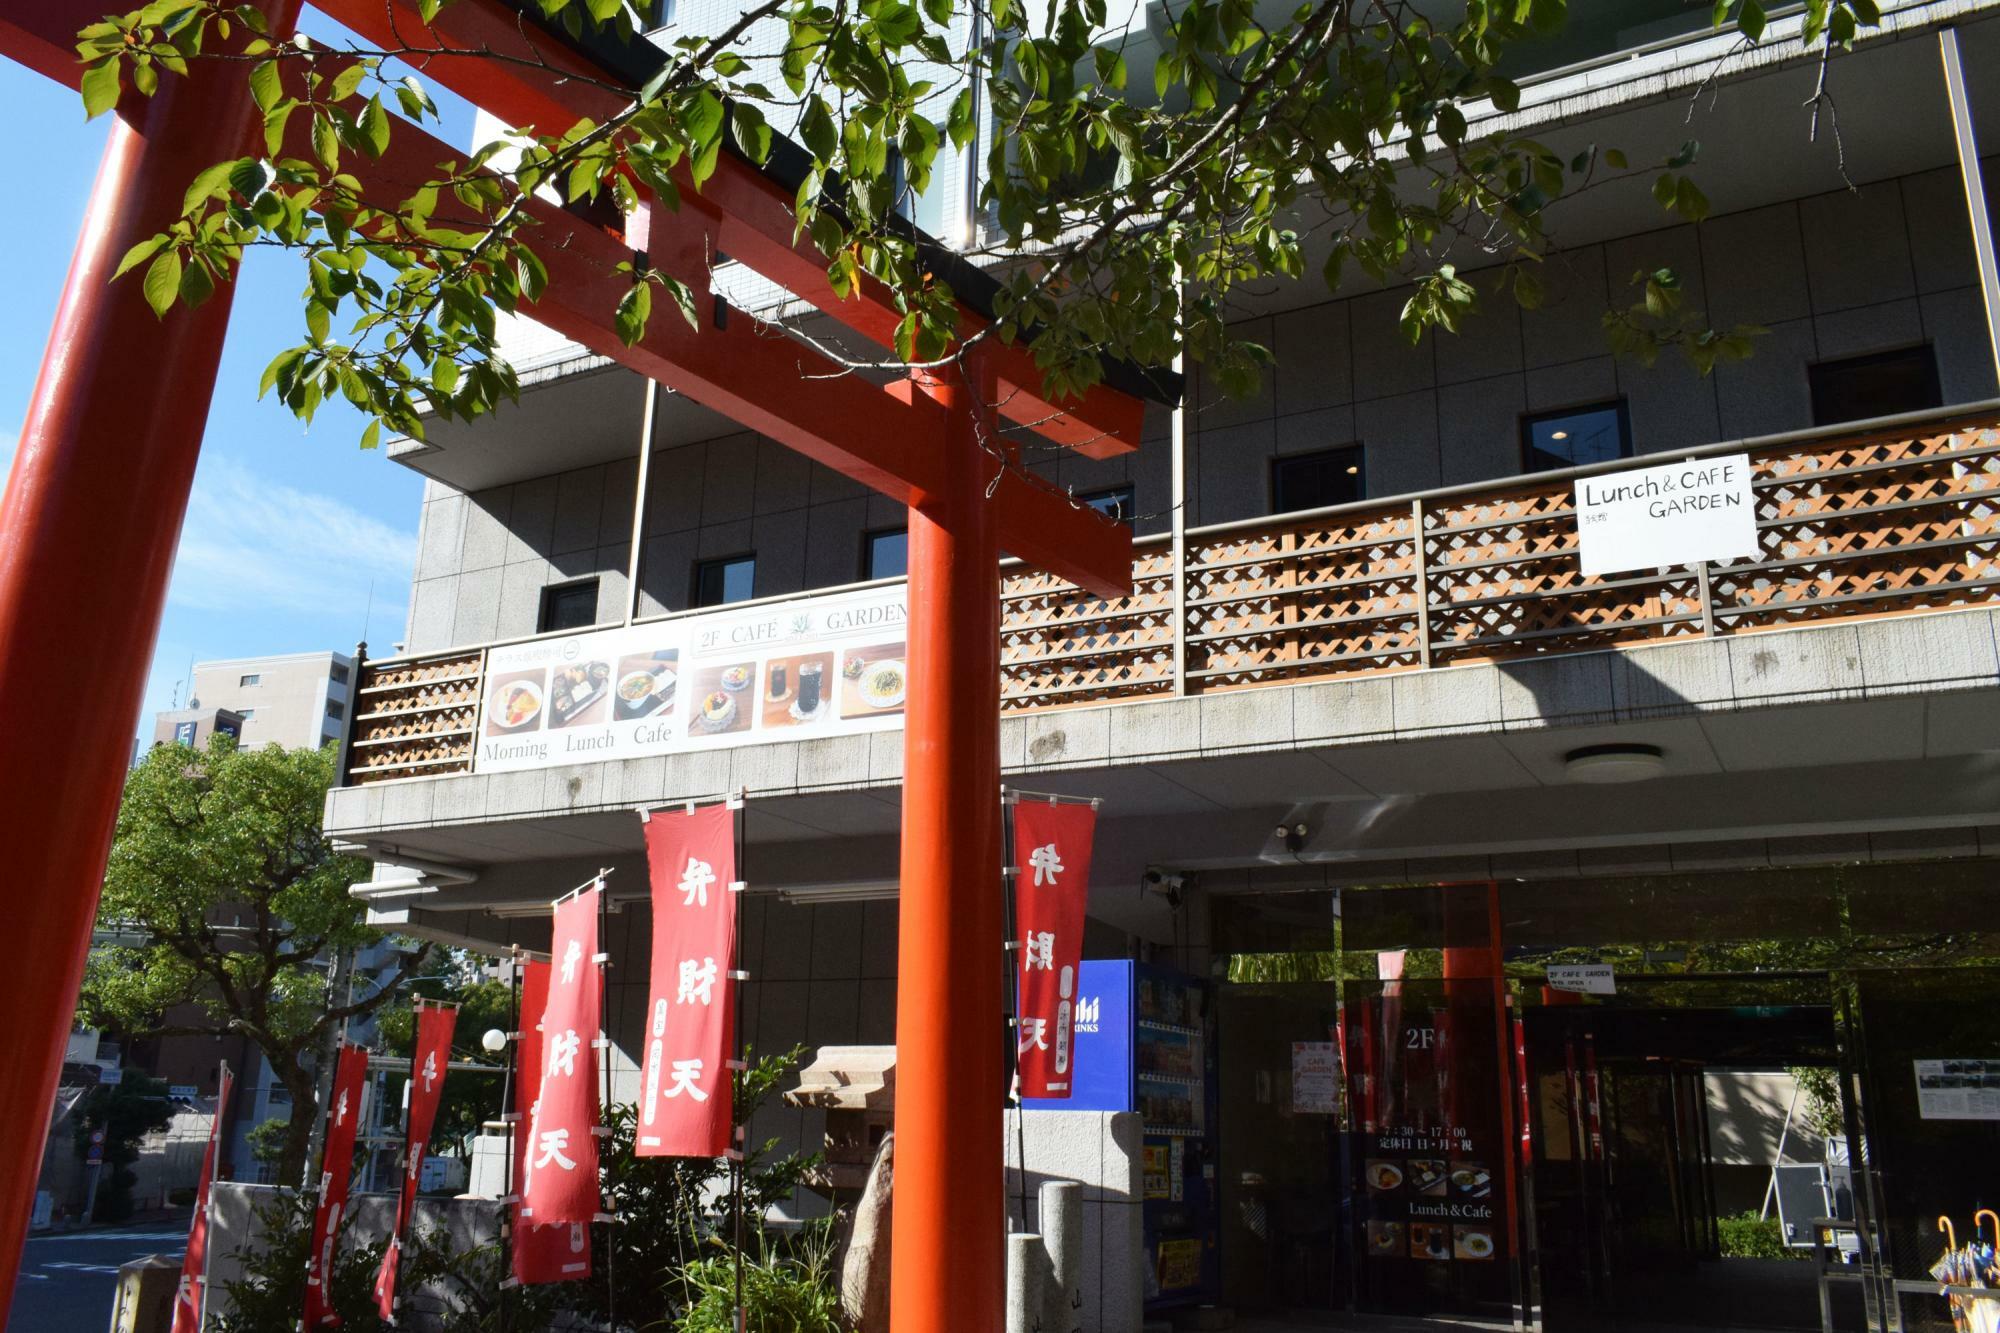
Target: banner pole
[
  {"x": 603, "y": 1048},
  {"x": 1010, "y": 883},
  {"x": 511, "y": 1190},
  {"x": 736, "y": 1135},
  {"x": 208, "y": 1200}
]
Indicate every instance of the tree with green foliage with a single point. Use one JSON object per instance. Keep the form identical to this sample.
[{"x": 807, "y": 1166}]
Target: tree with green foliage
[
  {"x": 220, "y": 872},
  {"x": 468, "y": 1100},
  {"x": 1132, "y": 198},
  {"x": 126, "y": 1111}
]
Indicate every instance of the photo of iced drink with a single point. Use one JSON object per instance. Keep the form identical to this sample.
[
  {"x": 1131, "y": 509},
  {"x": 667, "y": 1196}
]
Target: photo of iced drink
[
  {"x": 810, "y": 675},
  {"x": 781, "y": 685}
]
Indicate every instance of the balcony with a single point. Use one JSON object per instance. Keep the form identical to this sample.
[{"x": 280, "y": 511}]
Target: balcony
[{"x": 1892, "y": 518}]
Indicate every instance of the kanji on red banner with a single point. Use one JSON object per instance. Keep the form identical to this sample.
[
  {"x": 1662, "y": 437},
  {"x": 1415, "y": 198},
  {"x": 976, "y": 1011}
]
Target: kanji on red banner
[
  {"x": 427, "y": 1071},
  {"x": 561, "y": 1182},
  {"x": 189, "y": 1297},
  {"x": 684, "y": 1088},
  {"x": 1051, "y": 882},
  {"x": 558, "y": 1253},
  {"x": 343, "y": 1120}
]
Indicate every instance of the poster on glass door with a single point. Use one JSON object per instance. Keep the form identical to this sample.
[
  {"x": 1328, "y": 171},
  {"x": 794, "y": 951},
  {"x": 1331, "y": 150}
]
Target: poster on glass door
[{"x": 780, "y": 671}]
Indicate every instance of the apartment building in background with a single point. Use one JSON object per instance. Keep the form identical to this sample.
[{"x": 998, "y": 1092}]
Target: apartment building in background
[{"x": 1362, "y": 717}]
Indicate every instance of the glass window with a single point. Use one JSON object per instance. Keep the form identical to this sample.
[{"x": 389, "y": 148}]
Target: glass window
[
  {"x": 335, "y": 709},
  {"x": 1114, "y": 502},
  {"x": 886, "y": 554},
  {"x": 568, "y": 606},
  {"x": 718, "y": 582},
  {"x": 1575, "y": 436},
  {"x": 339, "y": 674},
  {"x": 246, "y": 682},
  {"x": 1316, "y": 480},
  {"x": 1880, "y": 384}
]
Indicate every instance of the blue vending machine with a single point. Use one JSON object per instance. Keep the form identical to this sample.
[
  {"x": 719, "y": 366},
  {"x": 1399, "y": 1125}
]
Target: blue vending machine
[{"x": 1142, "y": 1044}]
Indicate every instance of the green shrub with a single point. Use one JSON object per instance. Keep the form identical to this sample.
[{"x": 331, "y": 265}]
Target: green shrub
[
  {"x": 1748, "y": 1236},
  {"x": 789, "y": 1286}
]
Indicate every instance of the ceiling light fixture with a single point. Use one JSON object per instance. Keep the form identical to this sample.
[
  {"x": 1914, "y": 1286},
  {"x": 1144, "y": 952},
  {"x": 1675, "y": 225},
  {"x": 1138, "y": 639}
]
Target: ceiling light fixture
[
  {"x": 1605, "y": 764},
  {"x": 1560, "y": 435}
]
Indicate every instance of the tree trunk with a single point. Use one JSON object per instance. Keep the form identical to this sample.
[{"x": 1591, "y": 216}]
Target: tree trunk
[{"x": 299, "y": 1082}]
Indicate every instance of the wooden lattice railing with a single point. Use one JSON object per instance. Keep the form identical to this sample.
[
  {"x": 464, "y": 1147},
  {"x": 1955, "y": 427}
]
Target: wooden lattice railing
[{"x": 1873, "y": 524}]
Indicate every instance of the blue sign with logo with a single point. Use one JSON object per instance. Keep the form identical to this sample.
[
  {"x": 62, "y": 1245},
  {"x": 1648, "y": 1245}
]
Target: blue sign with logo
[{"x": 1103, "y": 1074}]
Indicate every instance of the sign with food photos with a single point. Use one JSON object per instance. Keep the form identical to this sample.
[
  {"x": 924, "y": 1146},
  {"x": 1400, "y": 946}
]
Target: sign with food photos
[{"x": 791, "y": 670}]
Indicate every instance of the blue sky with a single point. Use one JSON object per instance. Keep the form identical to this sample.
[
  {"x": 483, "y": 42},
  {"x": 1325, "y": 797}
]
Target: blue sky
[{"x": 287, "y": 529}]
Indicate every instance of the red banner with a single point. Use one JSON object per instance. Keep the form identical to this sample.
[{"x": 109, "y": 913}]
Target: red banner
[
  {"x": 684, "y": 1088},
  {"x": 343, "y": 1120},
  {"x": 188, "y": 1299},
  {"x": 559, "y": 1253},
  {"x": 428, "y": 1064},
  {"x": 1051, "y": 882},
  {"x": 561, "y": 1183}
]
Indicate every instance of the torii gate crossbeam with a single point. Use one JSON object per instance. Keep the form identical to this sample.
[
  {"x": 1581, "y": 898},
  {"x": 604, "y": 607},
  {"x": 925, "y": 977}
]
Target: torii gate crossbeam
[{"x": 106, "y": 460}]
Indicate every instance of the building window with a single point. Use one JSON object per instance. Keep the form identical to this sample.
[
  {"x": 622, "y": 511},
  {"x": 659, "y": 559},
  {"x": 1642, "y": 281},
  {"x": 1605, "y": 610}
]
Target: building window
[
  {"x": 1575, "y": 437},
  {"x": 245, "y": 682},
  {"x": 1114, "y": 502},
  {"x": 339, "y": 674},
  {"x": 885, "y": 554},
  {"x": 719, "y": 582},
  {"x": 335, "y": 709},
  {"x": 1881, "y": 384},
  {"x": 663, "y": 13},
  {"x": 569, "y": 606},
  {"x": 1316, "y": 480}
]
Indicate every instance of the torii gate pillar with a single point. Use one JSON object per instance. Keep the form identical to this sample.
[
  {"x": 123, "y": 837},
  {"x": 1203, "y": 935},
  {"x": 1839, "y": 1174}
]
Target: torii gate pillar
[
  {"x": 88, "y": 529},
  {"x": 947, "y": 1269}
]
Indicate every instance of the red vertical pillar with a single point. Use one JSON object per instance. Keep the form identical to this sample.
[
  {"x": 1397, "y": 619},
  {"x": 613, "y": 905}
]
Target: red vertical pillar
[
  {"x": 1475, "y": 984},
  {"x": 87, "y": 534},
  {"x": 947, "y": 1273}
]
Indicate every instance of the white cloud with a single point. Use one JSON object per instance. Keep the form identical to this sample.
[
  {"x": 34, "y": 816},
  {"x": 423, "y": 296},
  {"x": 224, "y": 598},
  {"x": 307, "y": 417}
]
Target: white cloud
[{"x": 259, "y": 547}]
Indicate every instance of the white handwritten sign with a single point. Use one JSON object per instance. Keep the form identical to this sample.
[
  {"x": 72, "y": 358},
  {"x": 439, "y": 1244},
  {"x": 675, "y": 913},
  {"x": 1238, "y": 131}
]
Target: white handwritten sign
[{"x": 1673, "y": 514}]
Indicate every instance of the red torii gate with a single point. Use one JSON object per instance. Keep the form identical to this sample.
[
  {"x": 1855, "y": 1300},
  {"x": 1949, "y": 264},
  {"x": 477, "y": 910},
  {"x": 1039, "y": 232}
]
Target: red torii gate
[{"x": 105, "y": 461}]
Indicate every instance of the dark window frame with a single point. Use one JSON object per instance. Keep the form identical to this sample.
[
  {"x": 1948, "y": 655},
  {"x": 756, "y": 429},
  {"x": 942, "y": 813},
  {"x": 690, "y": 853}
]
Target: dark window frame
[
  {"x": 1354, "y": 448},
  {"x": 1524, "y": 432},
  {"x": 1126, "y": 498},
  {"x": 1818, "y": 392},
  {"x": 721, "y": 563},
  {"x": 868, "y": 540},
  {"x": 559, "y": 594}
]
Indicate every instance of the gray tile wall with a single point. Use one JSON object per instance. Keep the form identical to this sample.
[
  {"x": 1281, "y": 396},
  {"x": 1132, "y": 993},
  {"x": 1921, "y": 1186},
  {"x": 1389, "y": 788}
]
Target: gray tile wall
[{"x": 1830, "y": 276}]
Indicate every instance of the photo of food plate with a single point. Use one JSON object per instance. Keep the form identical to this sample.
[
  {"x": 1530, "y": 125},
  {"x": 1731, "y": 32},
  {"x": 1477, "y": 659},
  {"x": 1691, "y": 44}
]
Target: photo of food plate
[
  {"x": 1471, "y": 1180},
  {"x": 1385, "y": 1239},
  {"x": 874, "y": 681},
  {"x": 514, "y": 702},
  {"x": 1383, "y": 1177},
  {"x": 580, "y": 694},
  {"x": 1427, "y": 1175},
  {"x": 714, "y": 707},
  {"x": 797, "y": 691},
  {"x": 1471, "y": 1243},
  {"x": 645, "y": 684}
]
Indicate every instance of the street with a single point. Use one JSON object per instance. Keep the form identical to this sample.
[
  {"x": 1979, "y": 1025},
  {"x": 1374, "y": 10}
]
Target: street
[{"x": 67, "y": 1280}]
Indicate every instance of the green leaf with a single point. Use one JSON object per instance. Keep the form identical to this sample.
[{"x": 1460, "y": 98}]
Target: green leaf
[
  {"x": 374, "y": 126},
  {"x": 1750, "y": 20},
  {"x": 274, "y": 125},
  {"x": 196, "y": 284},
  {"x": 348, "y": 81},
  {"x": 634, "y": 309},
  {"x": 140, "y": 253},
  {"x": 265, "y": 85},
  {"x": 326, "y": 140},
  {"x": 372, "y": 434},
  {"x": 209, "y": 184},
  {"x": 100, "y": 87},
  {"x": 163, "y": 282}
]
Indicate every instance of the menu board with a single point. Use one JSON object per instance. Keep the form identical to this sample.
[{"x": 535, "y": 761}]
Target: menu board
[
  {"x": 814, "y": 666},
  {"x": 1429, "y": 1198},
  {"x": 1958, "y": 1089}
]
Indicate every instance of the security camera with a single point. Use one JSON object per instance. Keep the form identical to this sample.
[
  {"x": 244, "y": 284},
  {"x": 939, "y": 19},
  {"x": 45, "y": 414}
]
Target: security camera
[{"x": 1167, "y": 883}]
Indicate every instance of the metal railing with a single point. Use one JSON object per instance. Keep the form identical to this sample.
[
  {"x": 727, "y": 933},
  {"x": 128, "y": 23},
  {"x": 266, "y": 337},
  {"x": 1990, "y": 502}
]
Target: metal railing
[{"x": 1882, "y": 518}]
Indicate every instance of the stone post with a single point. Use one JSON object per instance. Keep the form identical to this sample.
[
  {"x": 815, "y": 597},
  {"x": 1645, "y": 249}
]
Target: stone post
[{"x": 1062, "y": 1236}]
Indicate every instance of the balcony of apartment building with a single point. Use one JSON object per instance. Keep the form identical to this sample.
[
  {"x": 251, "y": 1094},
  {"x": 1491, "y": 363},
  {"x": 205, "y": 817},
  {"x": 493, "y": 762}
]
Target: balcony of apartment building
[{"x": 1357, "y": 604}]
